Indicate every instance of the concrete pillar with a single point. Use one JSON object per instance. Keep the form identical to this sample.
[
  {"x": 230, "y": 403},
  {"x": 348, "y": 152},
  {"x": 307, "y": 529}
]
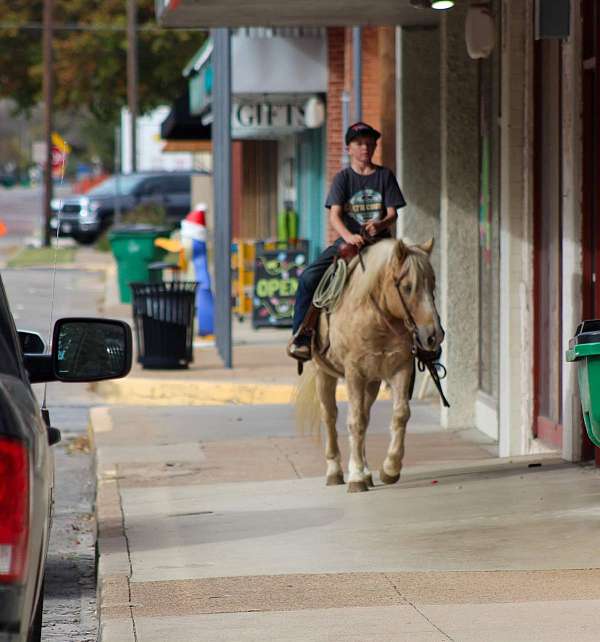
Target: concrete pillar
[
  {"x": 516, "y": 238},
  {"x": 418, "y": 142},
  {"x": 459, "y": 229},
  {"x": 572, "y": 226}
]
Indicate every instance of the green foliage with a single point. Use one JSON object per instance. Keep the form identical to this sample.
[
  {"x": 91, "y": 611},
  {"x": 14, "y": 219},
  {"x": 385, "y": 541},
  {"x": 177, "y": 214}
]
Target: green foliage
[
  {"x": 30, "y": 256},
  {"x": 149, "y": 213},
  {"x": 103, "y": 244},
  {"x": 90, "y": 64}
]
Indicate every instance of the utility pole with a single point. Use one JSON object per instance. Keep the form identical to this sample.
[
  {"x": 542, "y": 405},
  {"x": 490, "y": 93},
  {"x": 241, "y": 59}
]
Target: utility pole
[
  {"x": 48, "y": 91},
  {"x": 118, "y": 213},
  {"x": 221, "y": 135},
  {"x": 132, "y": 77}
]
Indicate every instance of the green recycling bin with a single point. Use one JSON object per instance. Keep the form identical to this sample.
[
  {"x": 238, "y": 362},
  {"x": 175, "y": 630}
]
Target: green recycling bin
[
  {"x": 584, "y": 348},
  {"x": 133, "y": 248}
]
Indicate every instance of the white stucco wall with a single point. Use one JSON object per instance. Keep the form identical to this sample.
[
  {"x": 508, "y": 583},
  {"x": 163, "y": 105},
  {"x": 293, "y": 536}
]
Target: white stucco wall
[
  {"x": 459, "y": 228},
  {"x": 418, "y": 92}
]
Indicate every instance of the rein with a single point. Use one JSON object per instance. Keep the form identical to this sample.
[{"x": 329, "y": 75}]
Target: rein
[{"x": 425, "y": 358}]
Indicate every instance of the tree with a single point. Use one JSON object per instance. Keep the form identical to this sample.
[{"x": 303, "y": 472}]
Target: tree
[{"x": 90, "y": 47}]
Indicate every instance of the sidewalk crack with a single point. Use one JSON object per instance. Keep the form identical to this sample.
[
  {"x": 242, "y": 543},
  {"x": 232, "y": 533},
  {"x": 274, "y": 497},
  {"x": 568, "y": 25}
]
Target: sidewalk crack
[
  {"x": 417, "y": 609},
  {"x": 130, "y": 574},
  {"x": 287, "y": 458}
]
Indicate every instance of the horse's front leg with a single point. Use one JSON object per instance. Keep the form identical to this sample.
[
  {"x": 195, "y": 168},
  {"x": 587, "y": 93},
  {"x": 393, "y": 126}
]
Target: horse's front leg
[
  {"x": 371, "y": 393},
  {"x": 392, "y": 464},
  {"x": 326, "y": 385},
  {"x": 357, "y": 428}
]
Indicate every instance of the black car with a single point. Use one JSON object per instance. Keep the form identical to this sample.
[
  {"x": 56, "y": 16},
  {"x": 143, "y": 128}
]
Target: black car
[
  {"x": 85, "y": 217},
  {"x": 83, "y": 349}
]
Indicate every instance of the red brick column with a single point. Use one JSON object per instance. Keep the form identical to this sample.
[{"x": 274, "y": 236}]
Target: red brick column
[{"x": 336, "y": 38}]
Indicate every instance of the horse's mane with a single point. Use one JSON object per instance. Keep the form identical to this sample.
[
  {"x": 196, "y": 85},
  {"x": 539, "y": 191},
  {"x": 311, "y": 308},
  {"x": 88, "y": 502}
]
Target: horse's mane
[{"x": 377, "y": 259}]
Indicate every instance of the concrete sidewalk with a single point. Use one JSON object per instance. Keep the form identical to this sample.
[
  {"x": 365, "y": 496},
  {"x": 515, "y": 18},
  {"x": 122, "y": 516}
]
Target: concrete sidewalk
[
  {"x": 215, "y": 525},
  {"x": 214, "y": 522}
]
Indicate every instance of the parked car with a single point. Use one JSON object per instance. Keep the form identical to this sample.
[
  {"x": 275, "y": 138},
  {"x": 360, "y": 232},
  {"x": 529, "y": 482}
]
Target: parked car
[
  {"x": 86, "y": 216},
  {"x": 83, "y": 349}
]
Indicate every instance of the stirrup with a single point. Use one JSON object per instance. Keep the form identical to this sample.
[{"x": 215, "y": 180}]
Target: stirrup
[{"x": 299, "y": 357}]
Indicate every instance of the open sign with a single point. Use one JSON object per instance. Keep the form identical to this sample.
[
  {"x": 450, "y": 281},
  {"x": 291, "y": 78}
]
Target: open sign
[{"x": 276, "y": 274}]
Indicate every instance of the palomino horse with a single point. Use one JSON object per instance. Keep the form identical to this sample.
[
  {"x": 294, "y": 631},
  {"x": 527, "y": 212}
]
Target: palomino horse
[{"x": 386, "y": 309}]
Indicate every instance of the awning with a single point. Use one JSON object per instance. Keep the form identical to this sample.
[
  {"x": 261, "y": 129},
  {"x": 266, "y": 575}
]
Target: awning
[
  {"x": 263, "y": 61},
  {"x": 181, "y": 125},
  {"x": 291, "y": 13},
  {"x": 193, "y": 146}
]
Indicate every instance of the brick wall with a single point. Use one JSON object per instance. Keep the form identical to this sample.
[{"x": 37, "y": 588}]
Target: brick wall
[
  {"x": 371, "y": 85},
  {"x": 336, "y": 50},
  {"x": 335, "y": 87}
]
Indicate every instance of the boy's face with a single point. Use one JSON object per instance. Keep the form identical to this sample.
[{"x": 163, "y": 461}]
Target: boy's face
[{"x": 362, "y": 148}]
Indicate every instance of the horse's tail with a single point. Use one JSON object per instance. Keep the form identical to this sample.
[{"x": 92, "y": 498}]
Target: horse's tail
[{"x": 308, "y": 416}]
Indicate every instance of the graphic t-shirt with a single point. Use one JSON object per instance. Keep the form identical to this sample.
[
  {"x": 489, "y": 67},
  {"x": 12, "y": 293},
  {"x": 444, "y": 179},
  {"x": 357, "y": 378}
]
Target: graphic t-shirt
[{"x": 364, "y": 198}]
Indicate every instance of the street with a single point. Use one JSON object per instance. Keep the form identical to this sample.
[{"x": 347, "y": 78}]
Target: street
[
  {"x": 70, "y": 586},
  {"x": 20, "y": 211}
]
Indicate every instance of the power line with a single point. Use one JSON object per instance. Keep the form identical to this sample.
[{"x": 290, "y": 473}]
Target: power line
[{"x": 78, "y": 26}]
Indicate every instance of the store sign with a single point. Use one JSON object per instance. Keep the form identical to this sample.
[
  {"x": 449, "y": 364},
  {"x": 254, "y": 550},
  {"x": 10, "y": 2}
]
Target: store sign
[
  {"x": 276, "y": 275},
  {"x": 249, "y": 119}
]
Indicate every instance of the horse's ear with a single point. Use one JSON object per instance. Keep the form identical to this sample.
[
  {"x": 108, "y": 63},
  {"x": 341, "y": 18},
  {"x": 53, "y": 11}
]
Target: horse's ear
[
  {"x": 427, "y": 247},
  {"x": 401, "y": 250}
]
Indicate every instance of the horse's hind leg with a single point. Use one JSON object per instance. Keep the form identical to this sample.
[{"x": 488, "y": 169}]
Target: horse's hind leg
[
  {"x": 326, "y": 386},
  {"x": 370, "y": 395},
  {"x": 392, "y": 464}
]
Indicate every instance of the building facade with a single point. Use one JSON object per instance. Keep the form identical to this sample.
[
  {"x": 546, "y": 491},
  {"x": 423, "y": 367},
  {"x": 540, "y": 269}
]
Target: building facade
[
  {"x": 495, "y": 143},
  {"x": 279, "y": 83}
]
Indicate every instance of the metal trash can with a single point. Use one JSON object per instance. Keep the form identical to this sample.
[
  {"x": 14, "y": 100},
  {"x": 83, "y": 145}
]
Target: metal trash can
[
  {"x": 163, "y": 317},
  {"x": 584, "y": 348},
  {"x": 134, "y": 249}
]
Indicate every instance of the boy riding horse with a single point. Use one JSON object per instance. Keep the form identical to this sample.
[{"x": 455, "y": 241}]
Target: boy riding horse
[{"x": 363, "y": 201}]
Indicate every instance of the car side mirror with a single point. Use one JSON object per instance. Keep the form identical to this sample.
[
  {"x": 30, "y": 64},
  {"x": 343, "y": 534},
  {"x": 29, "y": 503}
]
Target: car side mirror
[
  {"x": 31, "y": 342},
  {"x": 88, "y": 349}
]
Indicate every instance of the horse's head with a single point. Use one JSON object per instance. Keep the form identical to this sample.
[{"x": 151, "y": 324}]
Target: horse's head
[{"x": 409, "y": 290}]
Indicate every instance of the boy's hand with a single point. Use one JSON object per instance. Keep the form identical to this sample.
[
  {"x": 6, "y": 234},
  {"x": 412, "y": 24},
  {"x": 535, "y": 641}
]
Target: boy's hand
[
  {"x": 372, "y": 228},
  {"x": 356, "y": 239}
]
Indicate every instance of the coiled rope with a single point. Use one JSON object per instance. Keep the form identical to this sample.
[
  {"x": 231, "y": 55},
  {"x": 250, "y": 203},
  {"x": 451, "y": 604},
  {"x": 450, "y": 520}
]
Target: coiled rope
[{"x": 331, "y": 286}]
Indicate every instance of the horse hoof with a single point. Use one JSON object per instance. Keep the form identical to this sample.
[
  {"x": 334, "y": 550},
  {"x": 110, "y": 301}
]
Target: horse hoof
[
  {"x": 357, "y": 487},
  {"x": 388, "y": 479},
  {"x": 369, "y": 481},
  {"x": 336, "y": 479}
]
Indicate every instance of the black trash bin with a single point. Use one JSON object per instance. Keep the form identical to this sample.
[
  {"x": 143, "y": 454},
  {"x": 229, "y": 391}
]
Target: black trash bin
[{"x": 163, "y": 316}]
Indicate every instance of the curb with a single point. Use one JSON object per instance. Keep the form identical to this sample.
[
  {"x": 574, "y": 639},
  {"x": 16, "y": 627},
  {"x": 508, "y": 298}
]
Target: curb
[
  {"x": 113, "y": 570},
  {"x": 169, "y": 392}
]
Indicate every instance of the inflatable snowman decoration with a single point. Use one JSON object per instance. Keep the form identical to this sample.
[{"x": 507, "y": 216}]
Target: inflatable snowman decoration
[{"x": 193, "y": 238}]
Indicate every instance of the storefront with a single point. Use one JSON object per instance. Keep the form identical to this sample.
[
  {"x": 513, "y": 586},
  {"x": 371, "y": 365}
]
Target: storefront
[{"x": 279, "y": 79}]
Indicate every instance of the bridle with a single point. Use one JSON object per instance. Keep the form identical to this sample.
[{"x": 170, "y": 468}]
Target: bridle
[{"x": 425, "y": 358}]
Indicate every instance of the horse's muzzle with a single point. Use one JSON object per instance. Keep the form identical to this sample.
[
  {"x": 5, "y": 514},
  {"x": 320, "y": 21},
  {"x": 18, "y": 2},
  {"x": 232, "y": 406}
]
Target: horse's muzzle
[{"x": 431, "y": 337}]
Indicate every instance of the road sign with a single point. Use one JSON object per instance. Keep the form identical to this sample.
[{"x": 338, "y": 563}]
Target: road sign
[{"x": 60, "y": 151}]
